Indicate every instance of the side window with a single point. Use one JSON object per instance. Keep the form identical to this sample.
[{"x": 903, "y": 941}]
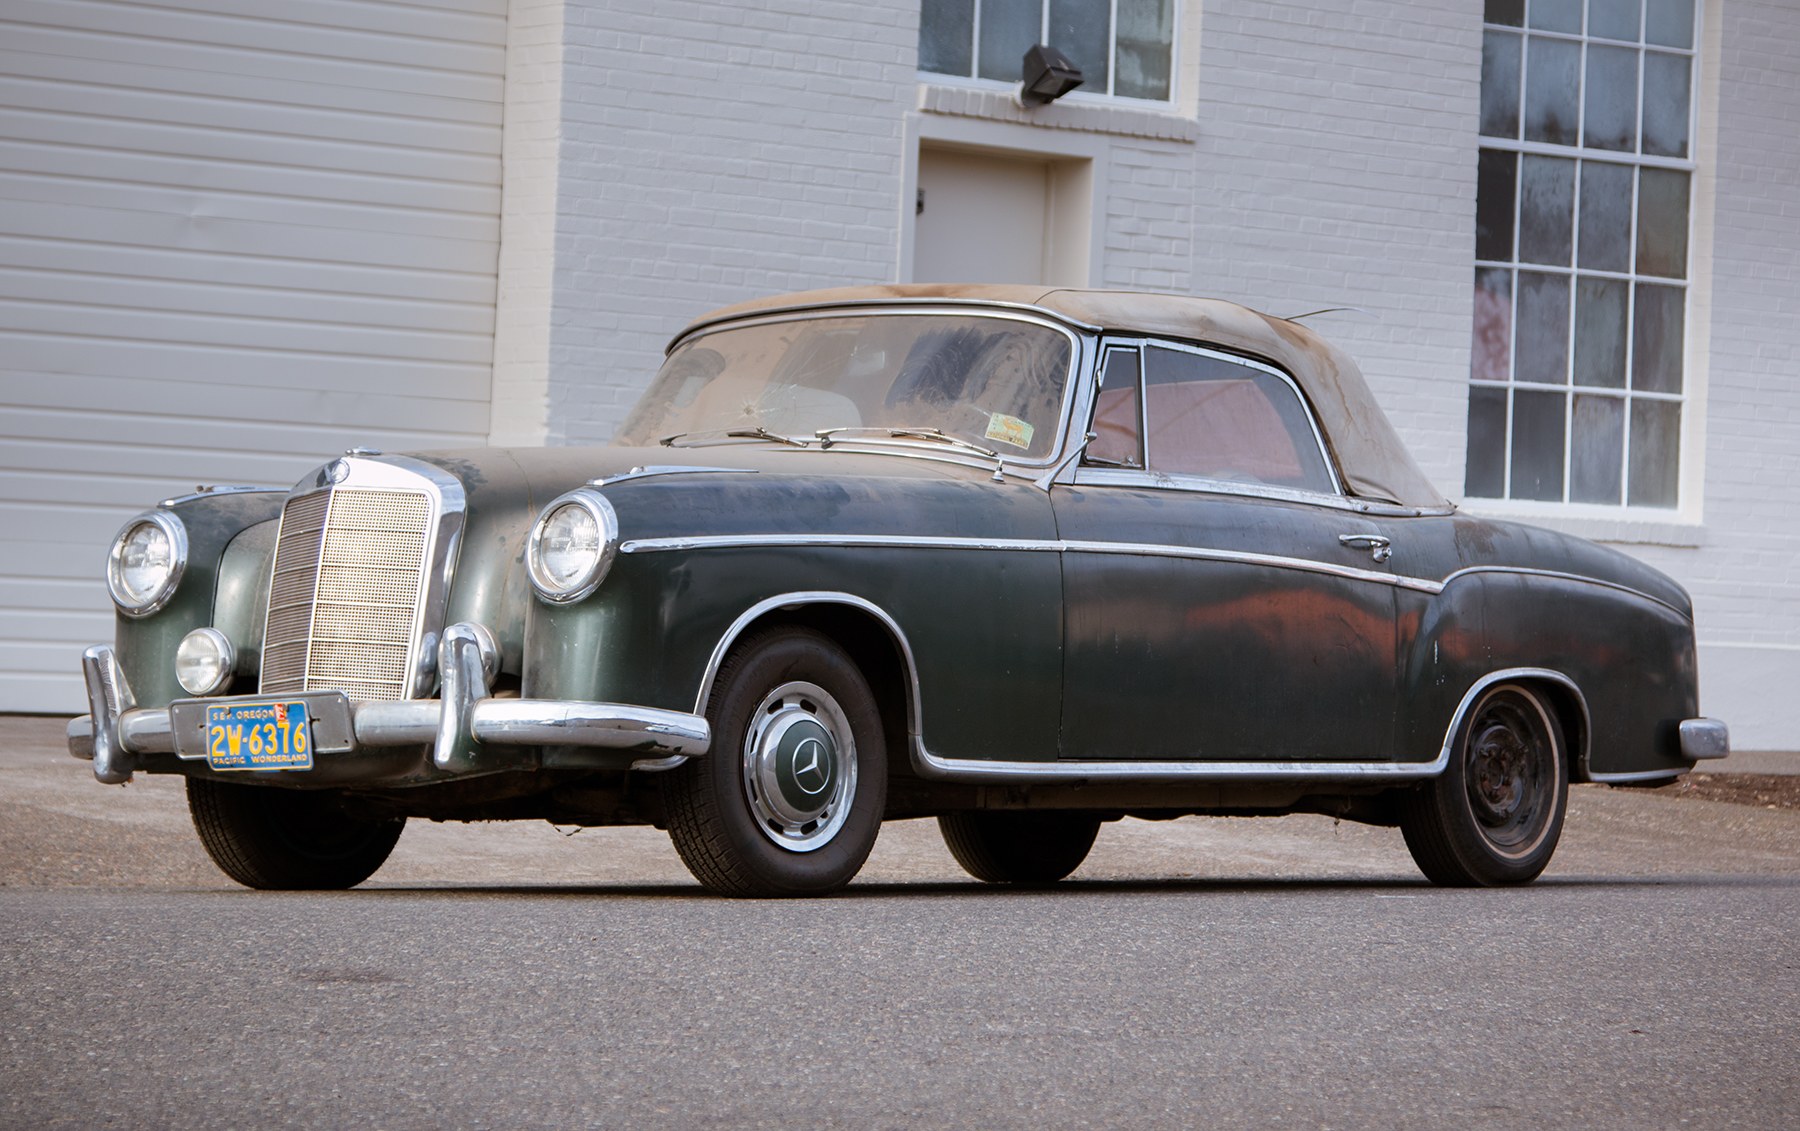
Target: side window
[
  {"x": 1219, "y": 418},
  {"x": 1118, "y": 419}
]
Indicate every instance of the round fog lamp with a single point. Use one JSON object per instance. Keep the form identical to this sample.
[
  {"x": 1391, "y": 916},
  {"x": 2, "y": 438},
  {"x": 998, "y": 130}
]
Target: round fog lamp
[{"x": 205, "y": 661}]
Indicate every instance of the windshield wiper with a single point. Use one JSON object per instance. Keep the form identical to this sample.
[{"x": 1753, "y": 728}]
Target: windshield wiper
[
  {"x": 827, "y": 437},
  {"x": 734, "y": 434}
]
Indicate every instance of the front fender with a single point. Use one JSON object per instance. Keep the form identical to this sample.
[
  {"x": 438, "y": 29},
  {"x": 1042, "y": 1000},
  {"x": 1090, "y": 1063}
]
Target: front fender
[
  {"x": 984, "y": 622},
  {"x": 230, "y": 538}
]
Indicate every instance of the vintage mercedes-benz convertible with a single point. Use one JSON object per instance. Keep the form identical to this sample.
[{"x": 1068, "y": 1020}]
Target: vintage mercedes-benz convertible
[{"x": 1022, "y": 559}]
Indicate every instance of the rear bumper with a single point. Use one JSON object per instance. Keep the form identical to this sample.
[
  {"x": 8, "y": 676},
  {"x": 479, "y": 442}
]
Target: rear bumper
[
  {"x": 466, "y": 729},
  {"x": 1704, "y": 738}
]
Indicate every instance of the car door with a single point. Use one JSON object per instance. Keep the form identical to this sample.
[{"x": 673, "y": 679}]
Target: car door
[{"x": 1224, "y": 601}]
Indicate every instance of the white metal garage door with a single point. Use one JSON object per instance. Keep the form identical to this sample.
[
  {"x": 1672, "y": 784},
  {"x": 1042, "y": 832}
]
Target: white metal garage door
[{"x": 236, "y": 237}]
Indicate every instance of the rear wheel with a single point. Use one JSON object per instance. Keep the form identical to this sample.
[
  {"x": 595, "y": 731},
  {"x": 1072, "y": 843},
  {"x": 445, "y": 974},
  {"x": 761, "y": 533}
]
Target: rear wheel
[
  {"x": 1495, "y": 814},
  {"x": 288, "y": 839},
  {"x": 1027, "y": 848},
  {"x": 789, "y": 799}
]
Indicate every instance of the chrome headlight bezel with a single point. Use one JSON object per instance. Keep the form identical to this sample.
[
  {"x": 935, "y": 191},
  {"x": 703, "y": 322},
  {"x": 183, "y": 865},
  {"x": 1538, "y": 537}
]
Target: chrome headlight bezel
[
  {"x": 606, "y": 523},
  {"x": 141, "y": 604}
]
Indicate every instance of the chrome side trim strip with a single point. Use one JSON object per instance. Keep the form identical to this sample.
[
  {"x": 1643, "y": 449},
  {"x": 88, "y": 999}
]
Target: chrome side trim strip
[
  {"x": 1025, "y": 545},
  {"x": 930, "y": 765},
  {"x": 1558, "y": 575},
  {"x": 1245, "y": 557},
  {"x": 907, "y": 541},
  {"x": 1627, "y": 779},
  {"x": 1143, "y": 549}
]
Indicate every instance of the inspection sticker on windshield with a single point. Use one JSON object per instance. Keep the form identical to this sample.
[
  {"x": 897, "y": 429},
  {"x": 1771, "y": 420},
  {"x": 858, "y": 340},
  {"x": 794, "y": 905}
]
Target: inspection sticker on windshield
[
  {"x": 1009, "y": 430},
  {"x": 258, "y": 736}
]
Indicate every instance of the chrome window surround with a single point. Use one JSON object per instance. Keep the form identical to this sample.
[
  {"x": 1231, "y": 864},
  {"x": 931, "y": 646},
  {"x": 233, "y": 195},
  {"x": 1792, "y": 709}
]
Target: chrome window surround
[
  {"x": 443, "y": 537},
  {"x": 606, "y": 520},
  {"x": 977, "y": 771},
  {"x": 865, "y": 305},
  {"x": 1155, "y": 481},
  {"x": 1150, "y": 476},
  {"x": 176, "y": 533},
  {"x": 1076, "y": 391}
]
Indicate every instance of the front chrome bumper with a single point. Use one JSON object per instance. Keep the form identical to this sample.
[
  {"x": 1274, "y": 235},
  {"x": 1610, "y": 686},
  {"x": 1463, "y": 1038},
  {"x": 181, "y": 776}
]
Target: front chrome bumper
[{"x": 457, "y": 725}]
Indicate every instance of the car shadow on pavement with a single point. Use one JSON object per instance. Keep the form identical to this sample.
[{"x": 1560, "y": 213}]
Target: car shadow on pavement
[{"x": 1392, "y": 886}]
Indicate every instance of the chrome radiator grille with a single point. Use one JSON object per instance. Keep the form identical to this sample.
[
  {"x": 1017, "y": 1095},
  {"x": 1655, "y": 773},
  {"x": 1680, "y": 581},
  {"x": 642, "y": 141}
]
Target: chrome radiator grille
[{"x": 344, "y": 602}]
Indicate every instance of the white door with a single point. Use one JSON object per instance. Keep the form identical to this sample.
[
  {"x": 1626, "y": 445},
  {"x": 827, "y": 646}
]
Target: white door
[
  {"x": 980, "y": 218},
  {"x": 235, "y": 238}
]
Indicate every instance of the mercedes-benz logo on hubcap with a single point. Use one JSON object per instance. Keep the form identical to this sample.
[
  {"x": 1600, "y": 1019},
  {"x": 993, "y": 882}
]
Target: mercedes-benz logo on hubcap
[{"x": 812, "y": 771}]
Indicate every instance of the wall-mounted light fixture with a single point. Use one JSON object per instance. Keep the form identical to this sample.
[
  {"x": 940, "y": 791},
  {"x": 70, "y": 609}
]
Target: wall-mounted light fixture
[{"x": 1046, "y": 75}]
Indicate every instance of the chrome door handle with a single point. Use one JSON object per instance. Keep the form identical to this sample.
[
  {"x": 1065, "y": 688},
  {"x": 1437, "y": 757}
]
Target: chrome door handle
[{"x": 1379, "y": 548}]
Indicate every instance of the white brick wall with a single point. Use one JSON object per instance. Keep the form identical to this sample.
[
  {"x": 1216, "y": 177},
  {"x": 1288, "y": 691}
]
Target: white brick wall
[
  {"x": 712, "y": 152},
  {"x": 1745, "y": 578},
  {"x": 1336, "y": 167},
  {"x": 1149, "y": 222},
  {"x": 531, "y": 151}
]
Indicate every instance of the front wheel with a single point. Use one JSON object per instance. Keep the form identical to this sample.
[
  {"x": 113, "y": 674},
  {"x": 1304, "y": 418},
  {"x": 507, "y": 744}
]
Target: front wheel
[
  {"x": 1496, "y": 812},
  {"x": 789, "y": 799},
  {"x": 288, "y": 839},
  {"x": 1025, "y": 848}
]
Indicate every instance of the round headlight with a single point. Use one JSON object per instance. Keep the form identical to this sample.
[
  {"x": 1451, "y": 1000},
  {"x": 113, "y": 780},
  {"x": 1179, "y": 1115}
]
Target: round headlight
[
  {"x": 572, "y": 546},
  {"x": 204, "y": 662},
  {"x": 146, "y": 563}
]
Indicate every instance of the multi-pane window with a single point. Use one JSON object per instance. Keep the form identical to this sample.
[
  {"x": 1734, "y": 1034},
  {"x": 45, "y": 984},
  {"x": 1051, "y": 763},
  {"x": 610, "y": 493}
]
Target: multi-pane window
[
  {"x": 1581, "y": 251},
  {"x": 1123, "y": 47}
]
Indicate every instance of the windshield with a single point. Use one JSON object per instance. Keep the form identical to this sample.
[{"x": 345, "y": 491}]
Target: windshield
[{"x": 990, "y": 380}]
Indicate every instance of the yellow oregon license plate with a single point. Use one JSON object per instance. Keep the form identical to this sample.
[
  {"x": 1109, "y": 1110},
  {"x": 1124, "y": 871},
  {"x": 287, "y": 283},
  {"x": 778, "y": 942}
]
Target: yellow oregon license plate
[{"x": 258, "y": 736}]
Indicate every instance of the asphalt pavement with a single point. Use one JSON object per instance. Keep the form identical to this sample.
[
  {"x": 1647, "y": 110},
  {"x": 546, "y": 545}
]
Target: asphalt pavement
[{"x": 1234, "y": 972}]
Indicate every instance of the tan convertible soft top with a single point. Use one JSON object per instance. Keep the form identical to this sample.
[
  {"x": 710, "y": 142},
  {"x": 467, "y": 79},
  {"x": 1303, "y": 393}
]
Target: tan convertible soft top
[{"x": 1374, "y": 463}]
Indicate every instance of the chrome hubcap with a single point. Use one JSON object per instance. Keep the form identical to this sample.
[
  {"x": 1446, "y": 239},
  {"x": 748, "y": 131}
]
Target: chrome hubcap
[{"x": 799, "y": 766}]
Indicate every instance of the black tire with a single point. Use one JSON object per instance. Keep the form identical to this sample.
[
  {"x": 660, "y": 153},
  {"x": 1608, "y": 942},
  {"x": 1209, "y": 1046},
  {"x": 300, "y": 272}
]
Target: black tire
[
  {"x": 789, "y": 799},
  {"x": 288, "y": 839},
  {"x": 1495, "y": 814},
  {"x": 1026, "y": 848}
]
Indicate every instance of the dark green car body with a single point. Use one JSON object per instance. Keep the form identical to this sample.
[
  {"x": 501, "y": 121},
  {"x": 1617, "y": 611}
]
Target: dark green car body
[{"x": 1048, "y": 630}]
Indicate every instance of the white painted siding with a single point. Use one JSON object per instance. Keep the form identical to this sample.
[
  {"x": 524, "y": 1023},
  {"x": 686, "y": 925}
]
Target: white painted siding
[{"x": 236, "y": 236}]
